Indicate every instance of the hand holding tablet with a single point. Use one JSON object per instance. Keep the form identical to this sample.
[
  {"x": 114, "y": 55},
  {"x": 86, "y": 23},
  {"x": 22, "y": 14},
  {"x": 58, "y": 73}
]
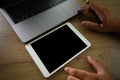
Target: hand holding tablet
[{"x": 56, "y": 48}]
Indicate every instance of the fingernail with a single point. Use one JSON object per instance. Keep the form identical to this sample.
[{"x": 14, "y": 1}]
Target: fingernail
[
  {"x": 89, "y": 57},
  {"x": 83, "y": 6},
  {"x": 83, "y": 22},
  {"x": 66, "y": 68}
]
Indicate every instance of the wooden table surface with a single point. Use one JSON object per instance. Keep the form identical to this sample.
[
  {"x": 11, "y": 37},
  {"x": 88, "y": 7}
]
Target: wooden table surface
[{"x": 16, "y": 63}]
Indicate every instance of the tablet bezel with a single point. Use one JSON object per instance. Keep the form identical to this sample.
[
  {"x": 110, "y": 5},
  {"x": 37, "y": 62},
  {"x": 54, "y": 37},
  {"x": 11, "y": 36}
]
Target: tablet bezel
[{"x": 38, "y": 61}]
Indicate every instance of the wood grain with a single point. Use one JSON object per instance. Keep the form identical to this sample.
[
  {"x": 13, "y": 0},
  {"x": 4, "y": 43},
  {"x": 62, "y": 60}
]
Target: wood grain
[{"x": 16, "y": 63}]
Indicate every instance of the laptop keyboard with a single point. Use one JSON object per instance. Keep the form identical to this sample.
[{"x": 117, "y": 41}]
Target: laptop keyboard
[{"x": 29, "y": 8}]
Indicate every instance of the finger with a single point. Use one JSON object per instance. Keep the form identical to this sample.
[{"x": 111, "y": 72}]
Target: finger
[
  {"x": 91, "y": 25},
  {"x": 72, "y": 78},
  {"x": 85, "y": 10},
  {"x": 75, "y": 72},
  {"x": 99, "y": 10},
  {"x": 98, "y": 67}
]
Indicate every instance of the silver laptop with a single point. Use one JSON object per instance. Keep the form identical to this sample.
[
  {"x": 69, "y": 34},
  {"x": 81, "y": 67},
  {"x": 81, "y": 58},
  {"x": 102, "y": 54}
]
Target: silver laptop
[{"x": 31, "y": 18}]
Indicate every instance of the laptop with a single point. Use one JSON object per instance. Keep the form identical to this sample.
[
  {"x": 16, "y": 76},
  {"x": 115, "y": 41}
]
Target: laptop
[{"x": 31, "y": 18}]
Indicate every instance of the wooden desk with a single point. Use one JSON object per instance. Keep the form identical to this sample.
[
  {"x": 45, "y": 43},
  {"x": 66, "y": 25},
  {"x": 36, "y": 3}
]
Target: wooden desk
[{"x": 16, "y": 63}]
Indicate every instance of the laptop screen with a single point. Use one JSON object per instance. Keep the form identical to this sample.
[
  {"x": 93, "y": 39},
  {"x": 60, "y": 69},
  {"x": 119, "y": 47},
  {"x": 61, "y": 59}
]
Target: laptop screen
[{"x": 6, "y": 3}]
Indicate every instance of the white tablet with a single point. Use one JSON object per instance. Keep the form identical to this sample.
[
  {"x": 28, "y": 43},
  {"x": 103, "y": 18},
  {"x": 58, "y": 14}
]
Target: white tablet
[{"x": 56, "y": 48}]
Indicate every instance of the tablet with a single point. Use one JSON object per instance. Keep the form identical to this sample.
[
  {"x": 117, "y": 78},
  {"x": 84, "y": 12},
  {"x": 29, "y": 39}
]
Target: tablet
[{"x": 53, "y": 50}]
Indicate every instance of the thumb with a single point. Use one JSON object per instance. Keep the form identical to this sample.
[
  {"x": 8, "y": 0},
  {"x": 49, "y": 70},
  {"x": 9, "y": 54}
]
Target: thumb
[{"x": 91, "y": 25}]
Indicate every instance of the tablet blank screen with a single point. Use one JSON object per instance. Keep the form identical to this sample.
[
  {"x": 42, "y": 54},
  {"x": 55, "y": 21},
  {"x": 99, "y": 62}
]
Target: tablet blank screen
[{"x": 58, "y": 47}]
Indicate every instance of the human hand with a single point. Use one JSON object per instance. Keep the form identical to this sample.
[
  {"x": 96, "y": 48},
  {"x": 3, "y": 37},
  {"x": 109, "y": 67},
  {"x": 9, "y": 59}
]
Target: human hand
[
  {"x": 76, "y": 74},
  {"x": 110, "y": 22}
]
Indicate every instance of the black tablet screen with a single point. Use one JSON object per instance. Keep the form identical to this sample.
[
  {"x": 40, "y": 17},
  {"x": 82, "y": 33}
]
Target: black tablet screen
[{"x": 58, "y": 47}]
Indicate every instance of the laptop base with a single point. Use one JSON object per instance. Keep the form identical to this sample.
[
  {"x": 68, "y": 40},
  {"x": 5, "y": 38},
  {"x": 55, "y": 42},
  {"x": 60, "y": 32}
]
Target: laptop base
[{"x": 40, "y": 23}]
